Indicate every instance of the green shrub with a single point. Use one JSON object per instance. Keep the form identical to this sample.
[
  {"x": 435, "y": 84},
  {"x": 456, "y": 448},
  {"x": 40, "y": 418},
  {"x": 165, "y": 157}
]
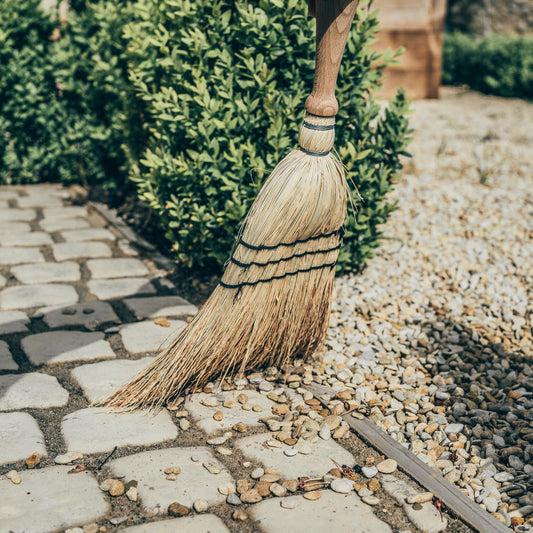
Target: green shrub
[
  {"x": 497, "y": 64},
  {"x": 223, "y": 84},
  {"x": 63, "y": 90}
]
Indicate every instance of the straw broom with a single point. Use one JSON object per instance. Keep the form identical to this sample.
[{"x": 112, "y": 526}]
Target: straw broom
[{"x": 273, "y": 300}]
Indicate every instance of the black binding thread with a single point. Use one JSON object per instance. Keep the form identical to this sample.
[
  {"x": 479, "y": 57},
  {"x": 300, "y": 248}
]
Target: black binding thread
[
  {"x": 283, "y": 259},
  {"x": 239, "y": 286},
  {"x": 339, "y": 232},
  {"x": 311, "y": 152},
  {"x": 319, "y": 127}
]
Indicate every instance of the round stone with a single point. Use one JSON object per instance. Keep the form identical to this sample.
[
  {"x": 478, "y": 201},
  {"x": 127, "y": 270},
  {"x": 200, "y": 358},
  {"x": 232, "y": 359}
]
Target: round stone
[
  {"x": 313, "y": 495},
  {"x": 177, "y": 509},
  {"x": 371, "y": 500},
  {"x": 289, "y": 503},
  {"x": 388, "y": 466},
  {"x": 342, "y": 485},
  {"x": 116, "y": 488},
  {"x": 233, "y": 499},
  {"x": 200, "y": 506},
  {"x": 290, "y": 452},
  {"x": 369, "y": 471},
  {"x": 257, "y": 473},
  {"x": 14, "y": 477}
]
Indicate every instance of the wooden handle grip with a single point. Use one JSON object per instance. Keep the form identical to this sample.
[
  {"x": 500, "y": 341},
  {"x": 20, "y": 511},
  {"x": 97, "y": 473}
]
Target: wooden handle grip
[{"x": 333, "y": 22}]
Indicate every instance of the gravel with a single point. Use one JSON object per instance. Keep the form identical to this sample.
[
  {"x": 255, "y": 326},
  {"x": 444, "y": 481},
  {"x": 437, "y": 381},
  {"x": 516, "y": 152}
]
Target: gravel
[{"x": 434, "y": 338}]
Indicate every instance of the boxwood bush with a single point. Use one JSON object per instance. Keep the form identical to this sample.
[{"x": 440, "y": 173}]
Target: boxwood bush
[
  {"x": 195, "y": 102},
  {"x": 497, "y": 64},
  {"x": 223, "y": 83},
  {"x": 63, "y": 86}
]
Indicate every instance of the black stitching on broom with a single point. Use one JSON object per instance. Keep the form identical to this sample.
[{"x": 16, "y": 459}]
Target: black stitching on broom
[
  {"x": 310, "y": 152},
  {"x": 319, "y": 127},
  {"x": 239, "y": 286},
  {"x": 339, "y": 232},
  {"x": 277, "y": 261},
  {"x": 266, "y": 280}
]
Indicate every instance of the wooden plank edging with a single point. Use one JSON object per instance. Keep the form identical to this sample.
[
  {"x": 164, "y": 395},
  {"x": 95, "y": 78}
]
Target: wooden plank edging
[{"x": 432, "y": 481}]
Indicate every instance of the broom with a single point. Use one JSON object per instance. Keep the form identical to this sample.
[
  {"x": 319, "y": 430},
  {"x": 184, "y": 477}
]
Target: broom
[{"x": 273, "y": 300}]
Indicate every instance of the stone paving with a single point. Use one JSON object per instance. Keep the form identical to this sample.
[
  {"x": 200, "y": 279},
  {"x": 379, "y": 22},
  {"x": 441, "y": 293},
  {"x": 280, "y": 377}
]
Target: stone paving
[{"x": 81, "y": 311}]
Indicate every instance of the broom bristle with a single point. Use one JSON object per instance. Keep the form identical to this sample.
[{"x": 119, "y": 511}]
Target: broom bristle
[{"x": 273, "y": 300}]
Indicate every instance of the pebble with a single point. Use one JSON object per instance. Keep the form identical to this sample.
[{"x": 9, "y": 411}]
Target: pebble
[
  {"x": 423, "y": 497},
  {"x": 33, "y": 460},
  {"x": 240, "y": 427},
  {"x": 388, "y": 466},
  {"x": 226, "y": 489},
  {"x": 177, "y": 509},
  {"x": 371, "y": 500},
  {"x": 116, "y": 487},
  {"x": 454, "y": 428},
  {"x": 131, "y": 494},
  {"x": 257, "y": 473},
  {"x": 342, "y": 485},
  {"x": 251, "y": 496},
  {"x": 224, "y": 451},
  {"x": 200, "y": 506},
  {"x": 211, "y": 467},
  {"x": 290, "y": 452},
  {"x": 216, "y": 441},
  {"x": 278, "y": 490},
  {"x": 374, "y": 485},
  {"x": 173, "y": 470},
  {"x": 289, "y": 503},
  {"x": 240, "y": 514},
  {"x": 66, "y": 458},
  {"x": 218, "y": 416},
  {"x": 369, "y": 471},
  {"x": 313, "y": 495},
  {"x": 14, "y": 477},
  {"x": 184, "y": 424},
  {"x": 233, "y": 499},
  {"x": 210, "y": 401},
  {"x": 325, "y": 432}
]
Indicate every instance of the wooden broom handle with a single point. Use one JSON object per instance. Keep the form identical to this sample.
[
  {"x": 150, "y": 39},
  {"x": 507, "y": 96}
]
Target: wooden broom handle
[{"x": 333, "y": 22}]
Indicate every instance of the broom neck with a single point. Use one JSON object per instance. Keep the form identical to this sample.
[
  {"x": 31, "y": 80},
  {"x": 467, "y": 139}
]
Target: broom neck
[{"x": 333, "y": 22}]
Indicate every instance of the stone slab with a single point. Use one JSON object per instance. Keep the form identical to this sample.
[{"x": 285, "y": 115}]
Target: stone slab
[
  {"x": 40, "y": 200},
  {"x": 148, "y": 336},
  {"x": 47, "y": 272},
  {"x": 23, "y": 297},
  {"x": 24, "y": 238},
  {"x": 73, "y": 250},
  {"x": 92, "y": 234},
  {"x": 193, "y": 483},
  {"x": 6, "y": 359},
  {"x": 20, "y": 437},
  {"x": 339, "y": 513},
  {"x": 156, "y": 306},
  {"x": 50, "y": 499},
  {"x": 116, "y": 268},
  {"x": 3, "y": 204},
  {"x": 90, "y": 315},
  {"x": 204, "y": 523},
  {"x": 66, "y": 211},
  {"x": 10, "y": 255},
  {"x": 316, "y": 463},
  {"x": 99, "y": 380},
  {"x": 203, "y": 415},
  {"x": 14, "y": 227},
  {"x": 427, "y": 518},
  {"x": 8, "y": 194},
  {"x": 62, "y": 224},
  {"x": 13, "y": 322},
  {"x": 94, "y": 430},
  {"x": 108, "y": 289},
  {"x": 17, "y": 215},
  {"x": 35, "y": 390},
  {"x": 61, "y": 346}
]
